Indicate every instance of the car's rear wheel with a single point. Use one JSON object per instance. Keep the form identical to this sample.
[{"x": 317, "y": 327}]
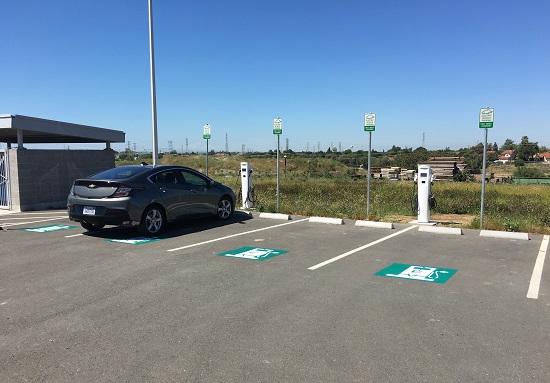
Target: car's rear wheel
[
  {"x": 152, "y": 221},
  {"x": 92, "y": 226},
  {"x": 225, "y": 208}
]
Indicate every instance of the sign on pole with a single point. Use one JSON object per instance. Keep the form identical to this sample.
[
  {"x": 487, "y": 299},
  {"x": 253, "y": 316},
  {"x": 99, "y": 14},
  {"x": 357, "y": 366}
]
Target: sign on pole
[
  {"x": 486, "y": 118},
  {"x": 370, "y": 122},
  {"x": 278, "y": 126},
  {"x": 206, "y": 135}
]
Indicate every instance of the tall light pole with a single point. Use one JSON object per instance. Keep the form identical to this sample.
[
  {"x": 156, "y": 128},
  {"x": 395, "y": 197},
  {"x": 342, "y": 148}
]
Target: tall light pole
[{"x": 153, "y": 87}]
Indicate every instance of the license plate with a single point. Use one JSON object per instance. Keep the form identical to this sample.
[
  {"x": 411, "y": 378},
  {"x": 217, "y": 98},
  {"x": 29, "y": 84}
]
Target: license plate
[{"x": 88, "y": 210}]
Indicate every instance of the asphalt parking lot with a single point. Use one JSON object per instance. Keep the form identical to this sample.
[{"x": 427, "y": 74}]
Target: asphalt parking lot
[{"x": 259, "y": 300}]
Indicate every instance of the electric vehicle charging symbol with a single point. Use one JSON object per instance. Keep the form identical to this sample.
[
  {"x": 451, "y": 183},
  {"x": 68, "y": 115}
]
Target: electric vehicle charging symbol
[{"x": 418, "y": 273}]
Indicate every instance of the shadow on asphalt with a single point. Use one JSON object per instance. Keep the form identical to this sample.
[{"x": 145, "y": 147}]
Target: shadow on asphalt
[{"x": 172, "y": 230}]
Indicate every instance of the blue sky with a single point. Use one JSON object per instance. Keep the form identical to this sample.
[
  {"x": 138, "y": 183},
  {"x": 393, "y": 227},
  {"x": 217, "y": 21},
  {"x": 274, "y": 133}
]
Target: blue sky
[{"x": 424, "y": 67}]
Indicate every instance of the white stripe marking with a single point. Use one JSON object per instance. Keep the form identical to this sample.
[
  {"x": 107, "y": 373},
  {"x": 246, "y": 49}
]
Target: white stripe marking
[
  {"x": 236, "y": 235},
  {"x": 359, "y": 249},
  {"x": 74, "y": 235},
  {"x": 534, "y": 285}
]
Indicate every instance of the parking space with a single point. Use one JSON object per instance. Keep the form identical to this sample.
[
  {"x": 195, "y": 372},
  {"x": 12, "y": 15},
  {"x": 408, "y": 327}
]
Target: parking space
[{"x": 261, "y": 299}]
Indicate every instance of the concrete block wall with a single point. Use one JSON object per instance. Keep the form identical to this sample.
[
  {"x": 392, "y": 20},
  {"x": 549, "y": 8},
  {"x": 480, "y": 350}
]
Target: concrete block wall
[{"x": 41, "y": 179}]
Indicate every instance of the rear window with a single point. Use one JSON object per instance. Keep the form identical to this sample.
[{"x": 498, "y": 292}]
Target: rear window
[{"x": 120, "y": 173}]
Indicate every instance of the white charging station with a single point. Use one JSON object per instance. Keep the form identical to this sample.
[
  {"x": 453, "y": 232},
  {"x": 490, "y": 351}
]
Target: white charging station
[
  {"x": 425, "y": 179},
  {"x": 247, "y": 187}
]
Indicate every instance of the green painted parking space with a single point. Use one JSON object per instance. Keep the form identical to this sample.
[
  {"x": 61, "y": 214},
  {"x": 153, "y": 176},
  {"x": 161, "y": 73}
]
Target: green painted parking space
[
  {"x": 417, "y": 273},
  {"x": 49, "y": 228},
  {"x": 253, "y": 253},
  {"x": 135, "y": 241}
]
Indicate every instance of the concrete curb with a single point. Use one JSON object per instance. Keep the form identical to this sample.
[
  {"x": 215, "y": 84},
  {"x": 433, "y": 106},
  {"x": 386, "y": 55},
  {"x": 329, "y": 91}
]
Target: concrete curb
[
  {"x": 504, "y": 234},
  {"x": 441, "y": 230},
  {"x": 379, "y": 225},
  {"x": 275, "y": 216},
  {"x": 332, "y": 221}
]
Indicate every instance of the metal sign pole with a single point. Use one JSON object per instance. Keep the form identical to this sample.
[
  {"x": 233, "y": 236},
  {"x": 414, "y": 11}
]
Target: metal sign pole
[
  {"x": 278, "y": 184},
  {"x": 483, "y": 180},
  {"x": 368, "y": 175},
  {"x": 207, "y": 157},
  {"x": 278, "y": 130},
  {"x": 370, "y": 126},
  {"x": 153, "y": 87},
  {"x": 486, "y": 121}
]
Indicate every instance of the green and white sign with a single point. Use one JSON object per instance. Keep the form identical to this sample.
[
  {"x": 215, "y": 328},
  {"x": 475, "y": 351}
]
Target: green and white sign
[
  {"x": 253, "y": 253},
  {"x": 370, "y": 122},
  {"x": 206, "y": 135},
  {"x": 278, "y": 126},
  {"x": 417, "y": 273},
  {"x": 134, "y": 241},
  {"x": 49, "y": 228},
  {"x": 486, "y": 118}
]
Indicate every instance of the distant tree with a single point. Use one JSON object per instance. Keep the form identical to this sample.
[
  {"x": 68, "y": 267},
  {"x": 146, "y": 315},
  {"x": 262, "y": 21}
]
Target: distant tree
[
  {"x": 526, "y": 150},
  {"x": 394, "y": 149},
  {"x": 409, "y": 159},
  {"x": 508, "y": 145},
  {"x": 474, "y": 160},
  {"x": 492, "y": 157},
  {"x": 478, "y": 148},
  {"x": 494, "y": 147},
  {"x": 422, "y": 151}
]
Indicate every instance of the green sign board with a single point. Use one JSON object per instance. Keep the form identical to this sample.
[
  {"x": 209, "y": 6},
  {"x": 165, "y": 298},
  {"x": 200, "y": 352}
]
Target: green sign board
[
  {"x": 417, "y": 273},
  {"x": 485, "y": 125},
  {"x": 49, "y": 228},
  {"x": 206, "y": 136},
  {"x": 277, "y": 126},
  {"x": 253, "y": 253},
  {"x": 486, "y": 118},
  {"x": 134, "y": 241}
]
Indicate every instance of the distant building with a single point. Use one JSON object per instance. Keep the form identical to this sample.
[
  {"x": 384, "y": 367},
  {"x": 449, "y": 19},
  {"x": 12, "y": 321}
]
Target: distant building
[
  {"x": 507, "y": 156},
  {"x": 545, "y": 157}
]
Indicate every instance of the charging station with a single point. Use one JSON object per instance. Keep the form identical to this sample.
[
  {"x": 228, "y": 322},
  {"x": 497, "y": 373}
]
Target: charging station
[
  {"x": 247, "y": 187},
  {"x": 425, "y": 198}
]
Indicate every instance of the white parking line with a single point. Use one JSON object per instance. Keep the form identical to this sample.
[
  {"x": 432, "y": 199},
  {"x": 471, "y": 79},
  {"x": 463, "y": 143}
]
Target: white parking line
[
  {"x": 238, "y": 234},
  {"x": 534, "y": 285},
  {"x": 74, "y": 235},
  {"x": 359, "y": 249},
  {"x": 31, "y": 222}
]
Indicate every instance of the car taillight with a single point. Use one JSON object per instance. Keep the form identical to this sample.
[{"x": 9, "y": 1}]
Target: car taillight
[
  {"x": 122, "y": 191},
  {"x": 71, "y": 192}
]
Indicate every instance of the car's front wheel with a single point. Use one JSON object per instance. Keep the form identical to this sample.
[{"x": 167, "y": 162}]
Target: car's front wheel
[
  {"x": 225, "y": 208},
  {"x": 152, "y": 221},
  {"x": 92, "y": 226}
]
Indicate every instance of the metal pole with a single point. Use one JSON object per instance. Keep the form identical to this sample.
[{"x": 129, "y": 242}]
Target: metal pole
[
  {"x": 483, "y": 180},
  {"x": 207, "y": 157},
  {"x": 153, "y": 87},
  {"x": 368, "y": 175},
  {"x": 278, "y": 145}
]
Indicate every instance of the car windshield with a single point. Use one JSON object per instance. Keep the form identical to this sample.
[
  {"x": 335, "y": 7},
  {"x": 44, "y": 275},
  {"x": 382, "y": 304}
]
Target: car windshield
[{"x": 120, "y": 172}]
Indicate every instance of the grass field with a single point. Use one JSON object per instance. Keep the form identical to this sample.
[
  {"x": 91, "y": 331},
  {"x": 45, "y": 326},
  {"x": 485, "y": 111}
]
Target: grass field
[{"x": 324, "y": 188}]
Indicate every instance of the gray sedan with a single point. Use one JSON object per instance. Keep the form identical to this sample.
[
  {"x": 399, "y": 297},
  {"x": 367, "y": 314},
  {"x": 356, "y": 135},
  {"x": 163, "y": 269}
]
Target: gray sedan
[{"x": 147, "y": 197}]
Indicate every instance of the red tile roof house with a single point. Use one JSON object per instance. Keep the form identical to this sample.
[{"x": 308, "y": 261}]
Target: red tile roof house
[
  {"x": 545, "y": 157},
  {"x": 506, "y": 156}
]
